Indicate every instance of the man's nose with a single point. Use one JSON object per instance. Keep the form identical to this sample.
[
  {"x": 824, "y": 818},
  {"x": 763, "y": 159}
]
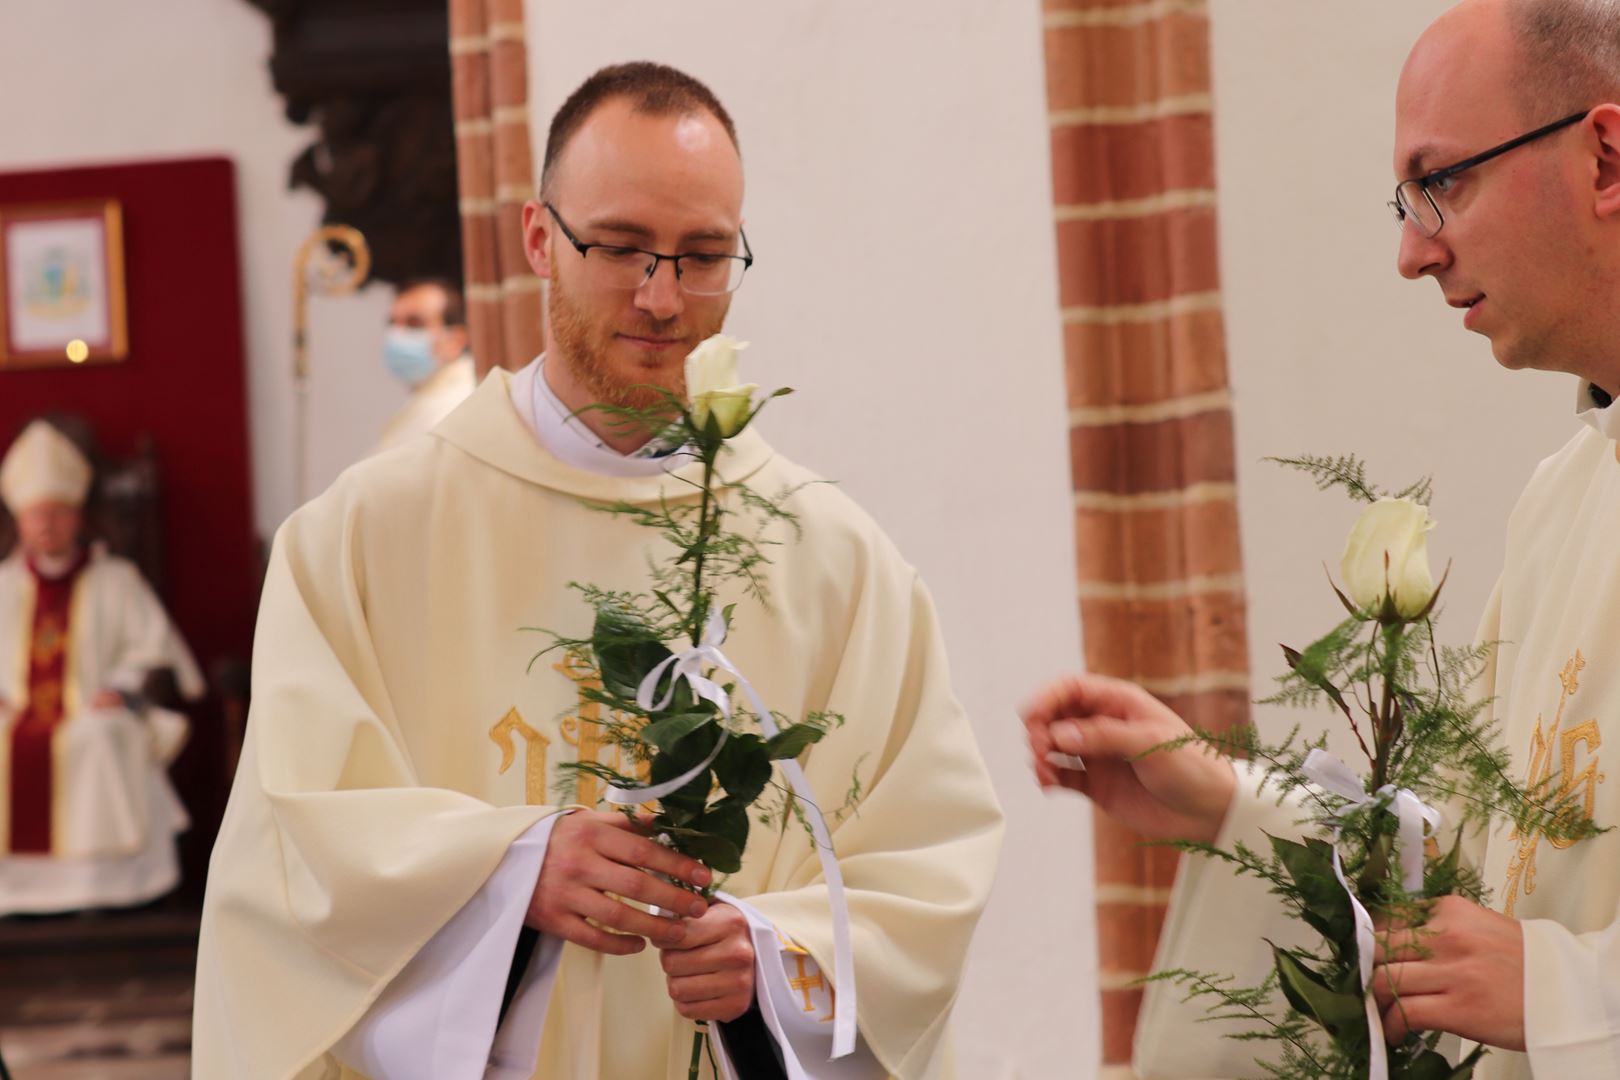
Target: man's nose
[
  {"x": 661, "y": 295},
  {"x": 1419, "y": 255}
]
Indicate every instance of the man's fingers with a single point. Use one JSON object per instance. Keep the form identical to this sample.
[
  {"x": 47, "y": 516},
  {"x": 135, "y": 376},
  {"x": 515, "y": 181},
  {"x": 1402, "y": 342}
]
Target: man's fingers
[
  {"x": 617, "y": 915},
  {"x": 1040, "y": 739},
  {"x": 577, "y": 930},
  {"x": 1048, "y": 775},
  {"x": 1104, "y": 737},
  {"x": 723, "y": 921},
  {"x": 1416, "y": 1012},
  {"x": 716, "y": 956},
  {"x": 632, "y": 884},
  {"x": 1067, "y": 696},
  {"x": 1392, "y": 982},
  {"x": 1404, "y": 944},
  {"x": 638, "y": 851},
  {"x": 1079, "y": 696},
  {"x": 692, "y": 989}
]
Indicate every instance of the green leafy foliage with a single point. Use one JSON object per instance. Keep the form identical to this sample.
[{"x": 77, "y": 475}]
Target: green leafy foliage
[
  {"x": 1350, "y": 473},
  {"x": 1413, "y": 711},
  {"x": 699, "y": 554}
]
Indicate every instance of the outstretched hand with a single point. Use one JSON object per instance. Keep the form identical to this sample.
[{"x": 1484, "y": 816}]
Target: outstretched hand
[{"x": 1110, "y": 725}]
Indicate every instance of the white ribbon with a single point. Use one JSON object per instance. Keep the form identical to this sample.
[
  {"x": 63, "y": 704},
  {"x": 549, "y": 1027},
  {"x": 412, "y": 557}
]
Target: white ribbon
[
  {"x": 689, "y": 665},
  {"x": 1413, "y": 816}
]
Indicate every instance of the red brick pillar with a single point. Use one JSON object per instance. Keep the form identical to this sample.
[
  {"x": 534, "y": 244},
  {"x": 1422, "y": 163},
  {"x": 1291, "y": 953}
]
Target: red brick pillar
[
  {"x": 495, "y": 172},
  {"x": 1159, "y": 563}
]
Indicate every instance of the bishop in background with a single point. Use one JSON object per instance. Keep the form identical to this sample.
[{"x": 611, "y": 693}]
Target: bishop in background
[{"x": 88, "y": 818}]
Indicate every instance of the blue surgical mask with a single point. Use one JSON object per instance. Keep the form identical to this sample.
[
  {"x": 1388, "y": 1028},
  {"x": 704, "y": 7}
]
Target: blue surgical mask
[{"x": 408, "y": 354}]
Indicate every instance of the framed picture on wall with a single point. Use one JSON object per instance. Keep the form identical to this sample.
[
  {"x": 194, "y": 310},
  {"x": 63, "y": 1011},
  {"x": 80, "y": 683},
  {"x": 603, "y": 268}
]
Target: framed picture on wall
[{"x": 62, "y": 284}]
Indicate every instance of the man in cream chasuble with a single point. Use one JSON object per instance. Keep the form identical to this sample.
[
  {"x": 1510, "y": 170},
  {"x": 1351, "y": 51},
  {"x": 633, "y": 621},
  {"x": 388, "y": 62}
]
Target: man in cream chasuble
[{"x": 396, "y": 816}]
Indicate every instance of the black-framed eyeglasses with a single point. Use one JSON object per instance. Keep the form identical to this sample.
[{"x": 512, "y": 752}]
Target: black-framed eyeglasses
[
  {"x": 700, "y": 273},
  {"x": 1414, "y": 199}
]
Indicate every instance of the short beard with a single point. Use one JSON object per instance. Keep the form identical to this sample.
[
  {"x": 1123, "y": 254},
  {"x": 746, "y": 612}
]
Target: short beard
[{"x": 583, "y": 348}]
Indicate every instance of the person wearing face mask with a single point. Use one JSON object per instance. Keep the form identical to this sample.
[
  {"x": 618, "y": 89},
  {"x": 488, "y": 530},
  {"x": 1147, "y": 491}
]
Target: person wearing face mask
[{"x": 426, "y": 349}]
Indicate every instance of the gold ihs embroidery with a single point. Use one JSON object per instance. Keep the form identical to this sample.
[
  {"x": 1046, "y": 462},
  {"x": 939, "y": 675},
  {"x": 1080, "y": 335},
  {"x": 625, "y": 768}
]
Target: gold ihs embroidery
[
  {"x": 584, "y": 731},
  {"x": 1538, "y": 780},
  {"x": 534, "y": 754},
  {"x": 50, "y": 641}
]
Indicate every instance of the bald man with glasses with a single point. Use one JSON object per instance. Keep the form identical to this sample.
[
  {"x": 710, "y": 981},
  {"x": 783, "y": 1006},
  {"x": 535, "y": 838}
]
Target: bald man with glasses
[{"x": 1507, "y": 159}]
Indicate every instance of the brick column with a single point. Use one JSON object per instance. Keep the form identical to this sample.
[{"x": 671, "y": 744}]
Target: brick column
[
  {"x": 495, "y": 172},
  {"x": 1159, "y": 564}
]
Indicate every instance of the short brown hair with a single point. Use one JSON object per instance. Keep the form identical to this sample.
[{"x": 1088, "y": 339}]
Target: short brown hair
[
  {"x": 654, "y": 89},
  {"x": 455, "y": 307},
  {"x": 1569, "y": 55}
]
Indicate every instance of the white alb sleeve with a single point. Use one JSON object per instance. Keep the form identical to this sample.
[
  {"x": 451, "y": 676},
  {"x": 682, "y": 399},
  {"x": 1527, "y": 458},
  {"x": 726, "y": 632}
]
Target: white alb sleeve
[
  {"x": 437, "y": 1019},
  {"x": 796, "y": 1002}
]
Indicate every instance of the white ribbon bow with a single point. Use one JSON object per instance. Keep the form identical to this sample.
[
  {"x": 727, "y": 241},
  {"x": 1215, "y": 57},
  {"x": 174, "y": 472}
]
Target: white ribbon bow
[
  {"x": 689, "y": 664},
  {"x": 1414, "y": 817}
]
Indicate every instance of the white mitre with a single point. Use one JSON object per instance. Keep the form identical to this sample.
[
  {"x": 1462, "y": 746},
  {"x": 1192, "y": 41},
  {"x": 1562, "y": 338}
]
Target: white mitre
[{"x": 43, "y": 465}]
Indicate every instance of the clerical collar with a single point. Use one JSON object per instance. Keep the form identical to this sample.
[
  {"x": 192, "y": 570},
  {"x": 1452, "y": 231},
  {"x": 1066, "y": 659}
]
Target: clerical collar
[
  {"x": 565, "y": 437},
  {"x": 1596, "y": 408},
  {"x": 57, "y": 568}
]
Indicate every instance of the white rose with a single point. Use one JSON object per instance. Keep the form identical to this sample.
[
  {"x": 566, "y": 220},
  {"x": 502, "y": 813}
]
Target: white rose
[
  {"x": 1387, "y": 555},
  {"x": 712, "y": 387}
]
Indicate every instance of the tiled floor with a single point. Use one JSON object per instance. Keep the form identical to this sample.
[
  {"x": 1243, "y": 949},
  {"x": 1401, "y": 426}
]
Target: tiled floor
[{"x": 98, "y": 997}]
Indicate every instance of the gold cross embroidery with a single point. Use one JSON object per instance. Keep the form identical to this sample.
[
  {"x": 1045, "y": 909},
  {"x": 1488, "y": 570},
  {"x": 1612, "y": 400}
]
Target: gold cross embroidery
[
  {"x": 583, "y": 732},
  {"x": 806, "y": 982},
  {"x": 50, "y": 639},
  {"x": 1522, "y": 867},
  {"x": 534, "y": 756}
]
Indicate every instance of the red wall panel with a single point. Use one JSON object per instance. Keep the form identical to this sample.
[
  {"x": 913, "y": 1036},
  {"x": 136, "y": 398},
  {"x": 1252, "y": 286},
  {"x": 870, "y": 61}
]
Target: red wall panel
[{"x": 184, "y": 385}]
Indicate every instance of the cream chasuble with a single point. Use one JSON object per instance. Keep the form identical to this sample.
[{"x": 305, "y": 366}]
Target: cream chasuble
[
  {"x": 434, "y": 399},
  {"x": 1556, "y": 685},
  {"x": 89, "y": 818},
  {"x": 398, "y": 745}
]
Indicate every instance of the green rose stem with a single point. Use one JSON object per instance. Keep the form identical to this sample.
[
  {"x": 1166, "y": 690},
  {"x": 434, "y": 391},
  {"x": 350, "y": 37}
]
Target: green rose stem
[
  {"x": 628, "y": 641},
  {"x": 697, "y": 1051},
  {"x": 708, "y": 522}
]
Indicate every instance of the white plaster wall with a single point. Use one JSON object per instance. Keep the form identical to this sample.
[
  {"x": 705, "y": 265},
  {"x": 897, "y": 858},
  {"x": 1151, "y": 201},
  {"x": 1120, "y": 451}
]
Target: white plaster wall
[
  {"x": 899, "y": 203},
  {"x": 89, "y": 82},
  {"x": 1331, "y": 350}
]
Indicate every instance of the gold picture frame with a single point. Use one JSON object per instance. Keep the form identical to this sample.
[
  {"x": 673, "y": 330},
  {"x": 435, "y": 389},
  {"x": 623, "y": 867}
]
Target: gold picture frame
[{"x": 62, "y": 301}]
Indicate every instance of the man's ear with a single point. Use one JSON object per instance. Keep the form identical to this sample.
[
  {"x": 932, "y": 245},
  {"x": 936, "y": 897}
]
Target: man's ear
[
  {"x": 1603, "y": 142},
  {"x": 537, "y": 235},
  {"x": 455, "y": 338}
]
